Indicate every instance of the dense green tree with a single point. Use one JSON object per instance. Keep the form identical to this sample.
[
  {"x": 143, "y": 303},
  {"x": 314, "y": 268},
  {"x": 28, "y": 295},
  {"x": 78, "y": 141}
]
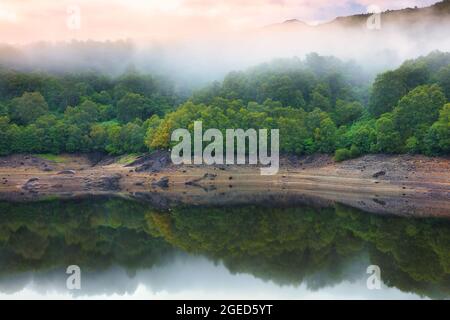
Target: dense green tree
[
  {"x": 71, "y": 93},
  {"x": 318, "y": 104},
  {"x": 28, "y": 107},
  {"x": 388, "y": 138},
  {"x": 342, "y": 154},
  {"x": 53, "y": 133},
  {"x": 14, "y": 134},
  {"x": 438, "y": 137},
  {"x": 283, "y": 88},
  {"x": 391, "y": 86},
  {"x": 320, "y": 101},
  {"x": 133, "y": 106},
  {"x": 418, "y": 110},
  {"x": 293, "y": 133},
  {"x": 387, "y": 89},
  {"x": 3, "y": 109},
  {"x": 325, "y": 136},
  {"x": 76, "y": 140},
  {"x": 362, "y": 137},
  {"x": 443, "y": 79},
  {"x": 102, "y": 97},
  {"x": 132, "y": 137},
  {"x": 99, "y": 136},
  {"x": 151, "y": 125},
  {"x": 113, "y": 145},
  {"x": 30, "y": 139},
  {"x": 347, "y": 112},
  {"x": 82, "y": 115},
  {"x": 134, "y": 82},
  {"x": 5, "y": 142}
]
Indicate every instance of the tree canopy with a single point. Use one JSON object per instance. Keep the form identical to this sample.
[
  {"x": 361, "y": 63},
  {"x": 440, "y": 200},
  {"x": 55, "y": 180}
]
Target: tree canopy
[{"x": 319, "y": 104}]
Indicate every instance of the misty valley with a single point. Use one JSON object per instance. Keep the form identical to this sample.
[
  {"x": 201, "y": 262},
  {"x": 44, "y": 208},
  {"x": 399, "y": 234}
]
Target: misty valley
[{"x": 263, "y": 150}]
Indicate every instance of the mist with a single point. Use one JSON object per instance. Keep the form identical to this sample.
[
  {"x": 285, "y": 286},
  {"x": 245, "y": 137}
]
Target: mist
[{"x": 195, "y": 61}]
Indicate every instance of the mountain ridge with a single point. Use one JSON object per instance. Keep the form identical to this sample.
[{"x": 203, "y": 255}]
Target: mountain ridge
[{"x": 410, "y": 15}]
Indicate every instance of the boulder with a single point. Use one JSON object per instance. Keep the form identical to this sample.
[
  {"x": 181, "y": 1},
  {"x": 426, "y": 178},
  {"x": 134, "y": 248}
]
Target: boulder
[
  {"x": 379, "y": 174},
  {"x": 67, "y": 172}
]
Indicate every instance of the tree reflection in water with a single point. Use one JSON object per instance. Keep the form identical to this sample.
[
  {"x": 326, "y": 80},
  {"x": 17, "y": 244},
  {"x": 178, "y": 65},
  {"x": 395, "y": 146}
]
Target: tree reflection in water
[{"x": 288, "y": 245}]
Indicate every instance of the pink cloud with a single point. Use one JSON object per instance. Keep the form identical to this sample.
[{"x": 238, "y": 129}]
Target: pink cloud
[{"x": 34, "y": 20}]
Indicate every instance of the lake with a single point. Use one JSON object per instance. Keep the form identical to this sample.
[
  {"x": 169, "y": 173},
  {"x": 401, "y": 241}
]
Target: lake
[{"x": 131, "y": 249}]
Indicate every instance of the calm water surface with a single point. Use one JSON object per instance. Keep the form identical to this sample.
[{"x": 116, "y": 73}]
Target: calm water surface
[{"x": 128, "y": 249}]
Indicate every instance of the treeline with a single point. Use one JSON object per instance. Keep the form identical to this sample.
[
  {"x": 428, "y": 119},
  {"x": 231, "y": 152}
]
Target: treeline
[
  {"x": 320, "y": 104},
  {"x": 85, "y": 112}
]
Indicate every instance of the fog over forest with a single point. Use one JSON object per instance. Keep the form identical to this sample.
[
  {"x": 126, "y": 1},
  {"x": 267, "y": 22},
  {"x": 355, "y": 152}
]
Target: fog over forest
[
  {"x": 399, "y": 35},
  {"x": 326, "y": 87}
]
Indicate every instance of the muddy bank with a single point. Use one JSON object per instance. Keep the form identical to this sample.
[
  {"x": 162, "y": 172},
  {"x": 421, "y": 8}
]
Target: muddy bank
[{"x": 403, "y": 185}]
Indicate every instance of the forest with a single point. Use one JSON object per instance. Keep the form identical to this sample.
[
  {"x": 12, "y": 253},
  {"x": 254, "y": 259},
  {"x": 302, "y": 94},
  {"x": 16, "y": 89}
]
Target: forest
[{"x": 320, "y": 105}]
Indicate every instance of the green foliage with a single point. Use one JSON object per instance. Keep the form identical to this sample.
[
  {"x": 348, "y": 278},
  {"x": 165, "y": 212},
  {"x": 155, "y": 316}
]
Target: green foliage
[
  {"x": 330, "y": 117},
  {"x": 325, "y": 136},
  {"x": 318, "y": 104},
  {"x": 316, "y": 82},
  {"x": 388, "y": 138},
  {"x": 65, "y": 113},
  {"x": 151, "y": 124},
  {"x": 342, "y": 154},
  {"x": 419, "y": 108},
  {"x": 76, "y": 140},
  {"x": 387, "y": 90},
  {"x": 83, "y": 115},
  {"x": 3, "y": 109},
  {"x": 347, "y": 112},
  {"x": 443, "y": 79},
  {"x": 28, "y": 107},
  {"x": 295, "y": 134},
  {"x": 132, "y": 137},
  {"x": 391, "y": 86},
  {"x": 5, "y": 143},
  {"x": 437, "y": 140},
  {"x": 133, "y": 106},
  {"x": 320, "y": 99}
]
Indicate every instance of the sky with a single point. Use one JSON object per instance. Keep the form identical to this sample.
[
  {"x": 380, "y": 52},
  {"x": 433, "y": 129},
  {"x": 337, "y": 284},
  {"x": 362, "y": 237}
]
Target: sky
[{"x": 25, "y": 21}]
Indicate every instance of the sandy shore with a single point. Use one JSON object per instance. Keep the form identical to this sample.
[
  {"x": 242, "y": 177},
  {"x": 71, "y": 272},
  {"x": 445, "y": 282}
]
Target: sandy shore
[{"x": 402, "y": 185}]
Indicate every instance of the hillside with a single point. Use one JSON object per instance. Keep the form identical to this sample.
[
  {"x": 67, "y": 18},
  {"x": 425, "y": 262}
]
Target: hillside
[{"x": 406, "y": 18}]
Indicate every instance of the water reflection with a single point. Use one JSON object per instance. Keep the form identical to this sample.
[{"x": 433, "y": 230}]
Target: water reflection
[{"x": 129, "y": 248}]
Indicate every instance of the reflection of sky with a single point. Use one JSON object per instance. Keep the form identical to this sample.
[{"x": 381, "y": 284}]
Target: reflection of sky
[{"x": 184, "y": 278}]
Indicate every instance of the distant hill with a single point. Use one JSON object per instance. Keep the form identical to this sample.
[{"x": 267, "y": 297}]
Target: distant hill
[
  {"x": 405, "y": 17},
  {"x": 404, "y": 34},
  {"x": 292, "y": 23},
  {"x": 409, "y": 17}
]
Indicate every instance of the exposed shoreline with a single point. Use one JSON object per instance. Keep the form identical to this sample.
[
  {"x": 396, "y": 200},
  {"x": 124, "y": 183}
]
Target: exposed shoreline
[{"x": 403, "y": 185}]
